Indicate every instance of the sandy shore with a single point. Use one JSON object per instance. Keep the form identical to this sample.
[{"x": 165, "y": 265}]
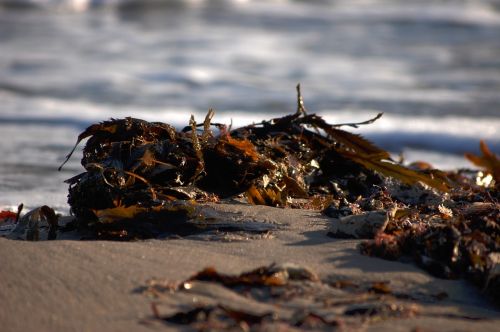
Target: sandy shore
[{"x": 72, "y": 285}]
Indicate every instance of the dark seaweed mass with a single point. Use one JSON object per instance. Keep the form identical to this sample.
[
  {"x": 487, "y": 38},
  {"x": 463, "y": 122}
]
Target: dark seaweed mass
[{"x": 134, "y": 163}]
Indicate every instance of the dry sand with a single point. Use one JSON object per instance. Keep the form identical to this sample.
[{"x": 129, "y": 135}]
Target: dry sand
[{"x": 72, "y": 285}]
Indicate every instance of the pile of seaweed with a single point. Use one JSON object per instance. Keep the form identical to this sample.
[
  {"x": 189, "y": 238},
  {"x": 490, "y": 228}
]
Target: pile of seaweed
[
  {"x": 458, "y": 236},
  {"x": 143, "y": 179},
  {"x": 137, "y": 170}
]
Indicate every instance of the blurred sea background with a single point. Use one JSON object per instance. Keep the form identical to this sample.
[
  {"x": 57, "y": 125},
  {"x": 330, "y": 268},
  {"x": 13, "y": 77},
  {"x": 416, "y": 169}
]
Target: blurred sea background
[{"x": 432, "y": 68}]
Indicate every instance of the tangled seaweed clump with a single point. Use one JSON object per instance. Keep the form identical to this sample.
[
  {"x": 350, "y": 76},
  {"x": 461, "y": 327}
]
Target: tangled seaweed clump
[{"x": 139, "y": 172}]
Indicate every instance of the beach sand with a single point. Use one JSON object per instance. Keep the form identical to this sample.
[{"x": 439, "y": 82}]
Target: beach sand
[{"x": 73, "y": 285}]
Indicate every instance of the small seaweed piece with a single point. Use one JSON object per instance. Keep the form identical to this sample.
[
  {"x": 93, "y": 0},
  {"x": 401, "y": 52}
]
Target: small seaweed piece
[
  {"x": 207, "y": 133},
  {"x": 488, "y": 161},
  {"x": 357, "y": 124},
  {"x": 258, "y": 277}
]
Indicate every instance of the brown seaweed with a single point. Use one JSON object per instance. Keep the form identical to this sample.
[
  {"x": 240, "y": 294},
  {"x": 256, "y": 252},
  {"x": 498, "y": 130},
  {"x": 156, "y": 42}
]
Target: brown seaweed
[
  {"x": 449, "y": 242},
  {"x": 134, "y": 167},
  {"x": 488, "y": 161},
  {"x": 300, "y": 299}
]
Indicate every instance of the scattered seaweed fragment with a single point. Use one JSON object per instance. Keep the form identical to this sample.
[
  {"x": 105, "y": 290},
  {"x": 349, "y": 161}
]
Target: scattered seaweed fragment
[
  {"x": 285, "y": 297},
  {"x": 490, "y": 163},
  {"x": 137, "y": 171}
]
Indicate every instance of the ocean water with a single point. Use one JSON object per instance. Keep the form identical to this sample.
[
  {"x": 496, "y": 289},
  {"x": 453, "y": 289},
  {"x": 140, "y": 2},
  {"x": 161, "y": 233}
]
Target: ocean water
[{"x": 432, "y": 67}]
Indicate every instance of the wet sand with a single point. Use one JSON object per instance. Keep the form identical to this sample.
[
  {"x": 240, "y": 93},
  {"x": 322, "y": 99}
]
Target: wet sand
[{"x": 72, "y": 285}]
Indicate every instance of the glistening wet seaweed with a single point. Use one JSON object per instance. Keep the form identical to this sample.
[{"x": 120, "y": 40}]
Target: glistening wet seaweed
[{"x": 137, "y": 173}]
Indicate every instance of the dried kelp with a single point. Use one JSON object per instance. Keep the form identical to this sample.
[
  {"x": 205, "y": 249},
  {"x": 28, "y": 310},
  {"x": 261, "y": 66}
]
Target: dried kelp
[
  {"x": 283, "y": 297},
  {"x": 138, "y": 171}
]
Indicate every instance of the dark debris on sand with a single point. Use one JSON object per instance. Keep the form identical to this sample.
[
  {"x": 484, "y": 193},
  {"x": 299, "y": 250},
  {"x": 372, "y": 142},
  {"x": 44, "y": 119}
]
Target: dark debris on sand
[
  {"x": 284, "y": 297},
  {"x": 137, "y": 173}
]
